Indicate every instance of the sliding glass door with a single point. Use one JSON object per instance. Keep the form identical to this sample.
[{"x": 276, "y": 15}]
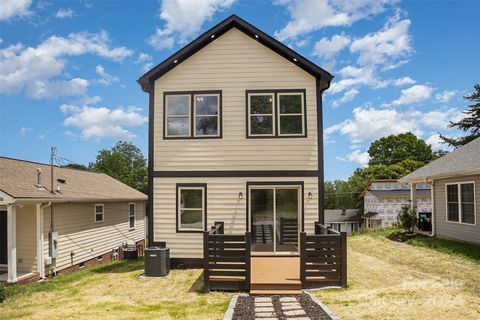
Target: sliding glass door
[{"x": 274, "y": 218}]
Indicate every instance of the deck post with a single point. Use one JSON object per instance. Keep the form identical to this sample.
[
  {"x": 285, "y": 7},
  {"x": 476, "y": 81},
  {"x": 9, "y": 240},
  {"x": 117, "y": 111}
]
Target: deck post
[
  {"x": 206, "y": 275},
  {"x": 248, "y": 260},
  {"x": 303, "y": 258},
  {"x": 343, "y": 239}
]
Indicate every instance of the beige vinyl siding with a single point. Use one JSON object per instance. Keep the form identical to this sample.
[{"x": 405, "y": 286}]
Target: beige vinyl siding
[
  {"x": 223, "y": 204},
  {"x": 78, "y": 233},
  {"x": 452, "y": 230},
  {"x": 235, "y": 63},
  {"x": 26, "y": 238}
]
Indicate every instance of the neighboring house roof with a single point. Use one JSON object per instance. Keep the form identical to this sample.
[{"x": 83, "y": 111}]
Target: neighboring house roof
[
  {"x": 18, "y": 179},
  {"x": 335, "y": 215},
  {"x": 398, "y": 192},
  {"x": 393, "y": 192},
  {"x": 217, "y": 31},
  {"x": 463, "y": 161},
  {"x": 369, "y": 215}
]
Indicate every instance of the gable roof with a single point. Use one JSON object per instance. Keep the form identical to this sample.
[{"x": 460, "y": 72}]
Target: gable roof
[
  {"x": 18, "y": 179},
  {"x": 217, "y": 31},
  {"x": 463, "y": 161}
]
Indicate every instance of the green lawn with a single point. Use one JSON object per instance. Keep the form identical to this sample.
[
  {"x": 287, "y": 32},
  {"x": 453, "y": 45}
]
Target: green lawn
[{"x": 420, "y": 279}]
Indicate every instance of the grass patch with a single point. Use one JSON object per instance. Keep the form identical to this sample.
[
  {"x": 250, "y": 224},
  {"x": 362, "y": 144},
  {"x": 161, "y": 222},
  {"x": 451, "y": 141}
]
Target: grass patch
[
  {"x": 82, "y": 277},
  {"x": 465, "y": 250}
]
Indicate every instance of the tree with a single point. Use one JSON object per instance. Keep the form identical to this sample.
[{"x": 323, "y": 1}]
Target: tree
[
  {"x": 395, "y": 148},
  {"x": 470, "y": 123},
  {"x": 407, "y": 218},
  {"x": 124, "y": 162},
  {"x": 77, "y": 166}
]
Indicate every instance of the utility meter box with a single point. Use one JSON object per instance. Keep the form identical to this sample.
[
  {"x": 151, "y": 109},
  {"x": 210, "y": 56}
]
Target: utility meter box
[{"x": 53, "y": 244}]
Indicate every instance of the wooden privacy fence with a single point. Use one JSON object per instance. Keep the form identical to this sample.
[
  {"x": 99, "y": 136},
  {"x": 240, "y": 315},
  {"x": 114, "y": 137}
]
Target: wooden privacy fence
[
  {"x": 323, "y": 258},
  {"x": 226, "y": 260}
]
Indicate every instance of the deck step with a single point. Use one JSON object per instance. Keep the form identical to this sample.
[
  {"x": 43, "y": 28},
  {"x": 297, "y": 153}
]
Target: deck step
[
  {"x": 275, "y": 292},
  {"x": 276, "y": 286}
]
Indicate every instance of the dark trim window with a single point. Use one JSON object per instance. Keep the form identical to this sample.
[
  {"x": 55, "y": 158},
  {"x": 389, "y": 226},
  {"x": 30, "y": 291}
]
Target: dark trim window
[
  {"x": 194, "y": 114},
  {"x": 276, "y": 113},
  {"x": 460, "y": 206},
  {"x": 131, "y": 215},
  {"x": 99, "y": 213},
  {"x": 191, "y": 207}
]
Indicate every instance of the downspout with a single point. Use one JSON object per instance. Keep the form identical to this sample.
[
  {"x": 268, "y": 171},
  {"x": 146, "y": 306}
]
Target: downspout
[
  {"x": 320, "y": 157},
  {"x": 432, "y": 191}
]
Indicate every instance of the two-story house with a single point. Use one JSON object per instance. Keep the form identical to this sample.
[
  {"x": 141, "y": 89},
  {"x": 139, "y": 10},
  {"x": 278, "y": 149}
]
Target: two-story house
[{"x": 235, "y": 135}]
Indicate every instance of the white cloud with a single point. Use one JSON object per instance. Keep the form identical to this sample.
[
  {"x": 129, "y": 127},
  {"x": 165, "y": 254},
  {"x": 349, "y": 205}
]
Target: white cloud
[
  {"x": 31, "y": 69},
  {"x": 414, "y": 94},
  {"x": 146, "y": 60},
  {"x": 326, "y": 49},
  {"x": 355, "y": 77},
  {"x": 435, "y": 141},
  {"x": 370, "y": 123},
  {"x": 105, "y": 78},
  {"x": 183, "y": 19},
  {"x": 311, "y": 15},
  {"x": 384, "y": 47},
  {"x": 357, "y": 156},
  {"x": 24, "y": 130},
  {"x": 347, "y": 97},
  {"x": 41, "y": 136},
  {"x": 14, "y": 8},
  {"x": 445, "y": 96},
  {"x": 404, "y": 81},
  {"x": 65, "y": 13},
  {"x": 53, "y": 89},
  {"x": 103, "y": 122}
]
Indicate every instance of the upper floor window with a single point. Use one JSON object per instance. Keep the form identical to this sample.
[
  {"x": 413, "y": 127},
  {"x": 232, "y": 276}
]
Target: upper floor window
[
  {"x": 193, "y": 114},
  {"x": 461, "y": 202},
  {"x": 276, "y": 113},
  {"x": 99, "y": 213}
]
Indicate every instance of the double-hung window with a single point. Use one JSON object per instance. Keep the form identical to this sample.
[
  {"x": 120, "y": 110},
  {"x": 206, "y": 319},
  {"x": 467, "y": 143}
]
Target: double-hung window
[
  {"x": 131, "y": 216},
  {"x": 193, "y": 114},
  {"x": 99, "y": 213},
  {"x": 276, "y": 113},
  {"x": 461, "y": 202},
  {"x": 191, "y": 207}
]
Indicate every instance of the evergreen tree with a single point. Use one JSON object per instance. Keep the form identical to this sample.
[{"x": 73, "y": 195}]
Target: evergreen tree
[{"x": 470, "y": 123}]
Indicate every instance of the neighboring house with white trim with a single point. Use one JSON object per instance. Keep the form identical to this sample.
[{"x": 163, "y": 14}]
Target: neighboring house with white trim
[
  {"x": 383, "y": 200},
  {"x": 85, "y": 220},
  {"x": 456, "y": 192},
  {"x": 343, "y": 220}
]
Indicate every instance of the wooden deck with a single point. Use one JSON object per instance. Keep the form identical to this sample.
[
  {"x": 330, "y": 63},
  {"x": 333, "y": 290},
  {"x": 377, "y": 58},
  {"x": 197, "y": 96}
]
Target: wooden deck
[{"x": 275, "y": 275}]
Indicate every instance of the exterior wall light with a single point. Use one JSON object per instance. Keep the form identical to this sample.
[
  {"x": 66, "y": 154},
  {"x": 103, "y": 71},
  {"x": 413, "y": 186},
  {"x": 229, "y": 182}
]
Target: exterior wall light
[
  {"x": 240, "y": 195},
  {"x": 310, "y": 195}
]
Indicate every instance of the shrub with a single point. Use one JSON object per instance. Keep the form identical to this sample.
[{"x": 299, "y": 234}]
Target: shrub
[
  {"x": 407, "y": 218},
  {"x": 3, "y": 293}
]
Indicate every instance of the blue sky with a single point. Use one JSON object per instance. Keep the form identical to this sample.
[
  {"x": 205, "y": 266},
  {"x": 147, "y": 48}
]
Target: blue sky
[{"x": 68, "y": 69}]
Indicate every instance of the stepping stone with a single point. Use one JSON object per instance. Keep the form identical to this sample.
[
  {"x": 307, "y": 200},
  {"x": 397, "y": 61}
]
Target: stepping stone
[
  {"x": 264, "y": 315},
  {"x": 263, "y": 299},
  {"x": 264, "y": 309},
  {"x": 295, "y": 313},
  {"x": 288, "y": 299},
  {"x": 286, "y": 308},
  {"x": 263, "y": 304},
  {"x": 290, "y": 304}
]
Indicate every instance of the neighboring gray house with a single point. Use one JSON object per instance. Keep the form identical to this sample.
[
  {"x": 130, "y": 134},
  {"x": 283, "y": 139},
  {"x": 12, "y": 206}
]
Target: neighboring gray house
[
  {"x": 383, "y": 200},
  {"x": 456, "y": 189},
  {"x": 343, "y": 220}
]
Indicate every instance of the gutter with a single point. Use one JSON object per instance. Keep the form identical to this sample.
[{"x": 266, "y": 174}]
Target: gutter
[{"x": 429, "y": 179}]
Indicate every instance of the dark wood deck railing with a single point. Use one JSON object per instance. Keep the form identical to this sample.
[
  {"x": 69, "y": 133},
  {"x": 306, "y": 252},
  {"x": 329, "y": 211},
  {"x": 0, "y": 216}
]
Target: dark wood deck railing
[
  {"x": 226, "y": 260},
  {"x": 323, "y": 258}
]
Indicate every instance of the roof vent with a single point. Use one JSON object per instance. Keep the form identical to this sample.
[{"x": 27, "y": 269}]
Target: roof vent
[
  {"x": 256, "y": 36},
  {"x": 295, "y": 59},
  {"x": 39, "y": 183},
  {"x": 213, "y": 36},
  {"x": 175, "y": 61}
]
